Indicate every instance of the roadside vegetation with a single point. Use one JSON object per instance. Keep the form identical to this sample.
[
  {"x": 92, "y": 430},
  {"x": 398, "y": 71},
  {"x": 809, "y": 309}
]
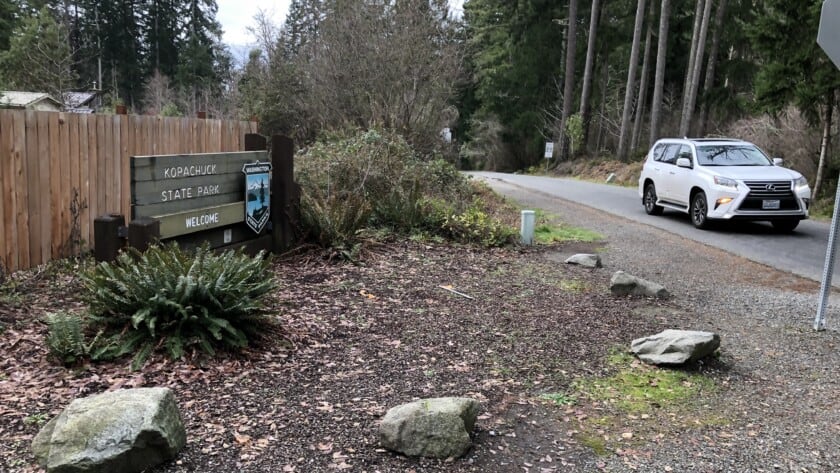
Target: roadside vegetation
[{"x": 359, "y": 184}]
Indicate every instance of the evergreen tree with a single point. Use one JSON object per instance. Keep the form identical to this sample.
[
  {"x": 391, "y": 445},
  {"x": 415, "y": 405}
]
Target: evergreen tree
[
  {"x": 513, "y": 53},
  {"x": 795, "y": 71},
  {"x": 39, "y": 58},
  {"x": 111, "y": 34},
  {"x": 8, "y": 22},
  {"x": 162, "y": 36},
  {"x": 302, "y": 24},
  {"x": 204, "y": 61}
]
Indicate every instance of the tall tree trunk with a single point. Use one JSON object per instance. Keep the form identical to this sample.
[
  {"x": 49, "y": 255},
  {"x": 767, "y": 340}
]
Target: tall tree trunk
[
  {"x": 709, "y": 81},
  {"x": 604, "y": 86},
  {"x": 689, "y": 69},
  {"x": 694, "y": 85},
  {"x": 824, "y": 144},
  {"x": 586, "y": 92},
  {"x": 569, "y": 78},
  {"x": 643, "y": 81},
  {"x": 624, "y": 137},
  {"x": 659, "y": 79}
]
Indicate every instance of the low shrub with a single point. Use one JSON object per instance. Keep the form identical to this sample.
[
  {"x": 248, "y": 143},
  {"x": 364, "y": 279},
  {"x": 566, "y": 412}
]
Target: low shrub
[
  {"x": 175, "y": 299},
  {"x": 374, "y": 179},
  {"x": 475, "y": 226}
]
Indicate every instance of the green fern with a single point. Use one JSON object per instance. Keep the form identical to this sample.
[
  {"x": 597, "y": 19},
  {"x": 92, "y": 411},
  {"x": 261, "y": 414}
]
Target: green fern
[
  {"x": 170, "y": 298},
  {"x": 66, "y": 338}
]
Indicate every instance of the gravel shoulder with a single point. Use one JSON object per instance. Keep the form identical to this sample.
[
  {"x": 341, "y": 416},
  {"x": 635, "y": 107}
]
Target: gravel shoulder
[
  {"x": 781, "y": 389},
  {"x": 358, "y": 339}
]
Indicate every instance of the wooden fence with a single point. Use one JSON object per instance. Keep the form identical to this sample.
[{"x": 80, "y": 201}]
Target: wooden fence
[{"x": 59, "y": 171}]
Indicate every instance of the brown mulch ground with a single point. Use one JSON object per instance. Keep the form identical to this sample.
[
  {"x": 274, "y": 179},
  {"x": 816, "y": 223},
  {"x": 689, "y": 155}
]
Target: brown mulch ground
[{"x": 357, "y": 340}]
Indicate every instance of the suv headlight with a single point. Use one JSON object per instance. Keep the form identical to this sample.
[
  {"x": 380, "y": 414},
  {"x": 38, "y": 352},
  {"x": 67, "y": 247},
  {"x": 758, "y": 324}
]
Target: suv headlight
[
  {"x": 800, "y": 182},
  {"x": 726, "y": 182}
]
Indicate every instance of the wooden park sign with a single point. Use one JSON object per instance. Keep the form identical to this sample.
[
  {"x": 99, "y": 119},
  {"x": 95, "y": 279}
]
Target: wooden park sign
[
  {"x": 190, "y": 193},
  {"x": 226, "y": 199}
]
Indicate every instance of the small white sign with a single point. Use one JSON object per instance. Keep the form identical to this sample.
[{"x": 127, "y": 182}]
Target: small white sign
[
  {"x": 549, "y": 149},
  {"x": 228, "y": 236}
]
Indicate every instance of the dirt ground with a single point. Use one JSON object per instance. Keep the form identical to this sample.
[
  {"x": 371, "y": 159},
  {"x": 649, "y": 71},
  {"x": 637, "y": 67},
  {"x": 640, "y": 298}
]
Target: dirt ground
[{"x": 359, "y": 339}]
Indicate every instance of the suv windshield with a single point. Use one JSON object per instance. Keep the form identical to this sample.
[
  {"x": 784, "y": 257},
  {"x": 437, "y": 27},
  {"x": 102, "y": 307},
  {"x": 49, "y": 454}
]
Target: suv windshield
[{"x": 731, "y": 155}]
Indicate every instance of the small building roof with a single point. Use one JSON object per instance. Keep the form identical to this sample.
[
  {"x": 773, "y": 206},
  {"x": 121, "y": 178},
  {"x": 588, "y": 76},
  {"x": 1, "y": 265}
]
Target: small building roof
[
  {"x": 78, "y": 100},
  {"x": 12, "y": 98}
]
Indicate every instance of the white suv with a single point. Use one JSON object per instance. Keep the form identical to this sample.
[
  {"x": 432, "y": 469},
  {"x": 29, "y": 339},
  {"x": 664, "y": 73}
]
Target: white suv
[{"x": 722, "y": 179}]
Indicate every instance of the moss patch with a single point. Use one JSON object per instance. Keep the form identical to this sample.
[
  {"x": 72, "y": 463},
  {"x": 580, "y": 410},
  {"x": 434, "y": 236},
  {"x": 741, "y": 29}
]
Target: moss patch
[
  {"x": 547, "y": 234},
  {"x": 639, "y": 403},
  {"x": 573, "y": 285}
]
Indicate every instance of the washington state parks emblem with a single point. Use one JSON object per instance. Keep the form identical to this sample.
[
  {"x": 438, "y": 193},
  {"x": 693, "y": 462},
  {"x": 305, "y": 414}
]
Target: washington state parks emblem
[{"x": 257, "y": 194}]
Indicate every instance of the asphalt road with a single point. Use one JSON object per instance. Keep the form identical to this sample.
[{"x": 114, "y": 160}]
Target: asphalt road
[{"x": 802, "y": 252}]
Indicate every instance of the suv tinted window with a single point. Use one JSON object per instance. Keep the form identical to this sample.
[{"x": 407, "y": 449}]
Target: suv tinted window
[
  {"x": 670, "y": 154},
  {"x": 685, "y": 152},
  {"x": 658, "y": 151}
]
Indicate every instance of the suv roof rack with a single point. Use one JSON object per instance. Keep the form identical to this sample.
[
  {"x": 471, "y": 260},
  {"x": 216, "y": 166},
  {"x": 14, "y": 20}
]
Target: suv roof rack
[{"x": 715, "y": 139}]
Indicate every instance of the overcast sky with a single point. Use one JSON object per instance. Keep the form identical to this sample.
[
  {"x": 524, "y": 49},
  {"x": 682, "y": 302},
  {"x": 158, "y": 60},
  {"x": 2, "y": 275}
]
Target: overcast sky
[{"x": 237, "y": 15}]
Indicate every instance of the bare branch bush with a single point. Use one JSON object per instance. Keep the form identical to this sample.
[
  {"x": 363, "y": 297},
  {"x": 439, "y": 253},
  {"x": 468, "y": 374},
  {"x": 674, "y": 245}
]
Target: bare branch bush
[
  {"x": 787, "y": 136},
  {"x": 394, "y": 65},
  {"x": 158, "y": 94}
]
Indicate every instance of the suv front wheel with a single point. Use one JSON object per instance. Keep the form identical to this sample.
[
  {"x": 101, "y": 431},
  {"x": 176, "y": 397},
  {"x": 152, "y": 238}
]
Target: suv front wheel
[
  {"x": 699, "y": 211},
  {"x": 650, "y": 201}
]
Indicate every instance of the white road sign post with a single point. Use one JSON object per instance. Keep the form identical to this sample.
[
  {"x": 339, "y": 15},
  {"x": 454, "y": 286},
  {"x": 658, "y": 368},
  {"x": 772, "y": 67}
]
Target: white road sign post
[
  {"x": 828, "y": 37},
  {"x": 549, "y": 153}
]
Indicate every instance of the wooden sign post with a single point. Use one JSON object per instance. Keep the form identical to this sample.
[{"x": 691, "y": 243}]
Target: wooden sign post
[{"x": 198, "y": 198}]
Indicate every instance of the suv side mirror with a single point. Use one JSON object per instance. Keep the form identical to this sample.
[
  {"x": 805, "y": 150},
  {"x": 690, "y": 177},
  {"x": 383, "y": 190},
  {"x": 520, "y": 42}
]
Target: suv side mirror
[
  {"x": 778, "y": 161},
  {"x": 684, "y": 163}
]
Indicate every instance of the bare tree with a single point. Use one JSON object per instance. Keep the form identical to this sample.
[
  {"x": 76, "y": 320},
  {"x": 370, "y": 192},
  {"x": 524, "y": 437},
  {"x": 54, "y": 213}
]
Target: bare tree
[
  {"x": 569, "y": 77},
  {"x": 265, "y": 32},
  {"x": 825, "y": 142},
  {"x": 586, "y": 91},
  {"x": 158, "y": 94},
  {"x": 391, "y": 65},
  {"x": 624, "y": 137},
  {"x": 643, "y": 81},
  {"x": 659, "y": 79},
  {"x": 708, "y": 82},
  {"x": 694, "y": 83}
]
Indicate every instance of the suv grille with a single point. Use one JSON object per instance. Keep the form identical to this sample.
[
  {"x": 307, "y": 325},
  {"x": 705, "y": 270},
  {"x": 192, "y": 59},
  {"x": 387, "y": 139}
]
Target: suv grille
[
  {"x": 769, "y": 189},
  {"x": 773, "y": 190}
]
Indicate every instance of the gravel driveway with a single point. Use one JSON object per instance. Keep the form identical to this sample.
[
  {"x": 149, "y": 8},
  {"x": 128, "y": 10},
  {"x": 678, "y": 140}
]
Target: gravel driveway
[{"x": 782, "y": 386}]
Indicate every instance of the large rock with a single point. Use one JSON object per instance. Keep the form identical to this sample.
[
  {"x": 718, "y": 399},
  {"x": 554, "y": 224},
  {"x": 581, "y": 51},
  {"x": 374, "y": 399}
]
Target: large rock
[
  {"x": 587, "y": 260},
  {"x": 675, "y": 347},
  {"x": 437, "y": 428},
  {"x": 623, "y": 284},
  {"x": 127, "y": 431}
]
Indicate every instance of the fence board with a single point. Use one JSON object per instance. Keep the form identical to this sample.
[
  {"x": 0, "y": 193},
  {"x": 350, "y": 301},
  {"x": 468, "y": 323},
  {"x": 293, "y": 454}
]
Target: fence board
[
  {"x": 5, "y": 158},
  {"x": 39, "y": 189},
  {"x": 72, "y": 122},
  {"x": 51, "y": 213},
  {"x": 20, "y": 193},
  {"x": 125, "y": 152},
  {"x": 101, "y": 166},
  {"x": 84, "y": 183},
  {"x": 47, "y": 157},
  {"x": 93, "y": 167},
  {"x": 114, "y": 200},
  {"x": 65, "y": 183}
]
